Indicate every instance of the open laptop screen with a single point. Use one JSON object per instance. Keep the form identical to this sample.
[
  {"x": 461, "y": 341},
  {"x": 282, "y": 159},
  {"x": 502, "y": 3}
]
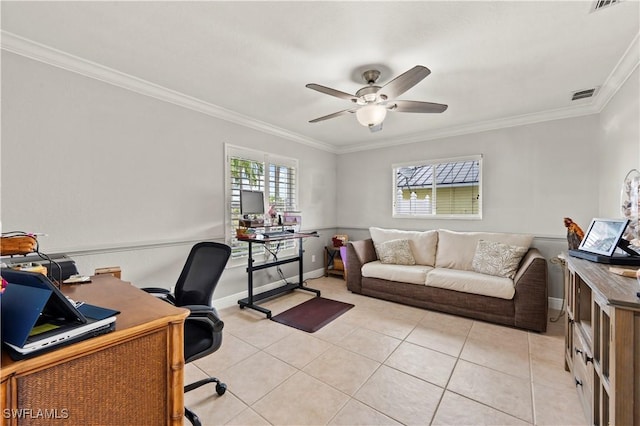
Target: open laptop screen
[{"x": 603, "y": 236}]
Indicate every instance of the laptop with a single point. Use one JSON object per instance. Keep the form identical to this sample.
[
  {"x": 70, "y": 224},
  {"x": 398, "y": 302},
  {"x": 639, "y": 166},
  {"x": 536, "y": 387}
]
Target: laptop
[
  {"x": 602, "y": 239},
  {"x": 37, "y": 317}
]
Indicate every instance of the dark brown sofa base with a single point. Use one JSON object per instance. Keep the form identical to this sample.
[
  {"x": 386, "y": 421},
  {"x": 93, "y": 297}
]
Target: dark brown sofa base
[{"x": 527, "y": 310}]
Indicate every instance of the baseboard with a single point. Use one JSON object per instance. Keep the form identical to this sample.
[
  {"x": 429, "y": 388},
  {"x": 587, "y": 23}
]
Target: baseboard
[{"x": 232, "y": 300}]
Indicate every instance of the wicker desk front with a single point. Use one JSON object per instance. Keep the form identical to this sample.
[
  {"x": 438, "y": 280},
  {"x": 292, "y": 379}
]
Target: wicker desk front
[{"x": 133, "y": 375}]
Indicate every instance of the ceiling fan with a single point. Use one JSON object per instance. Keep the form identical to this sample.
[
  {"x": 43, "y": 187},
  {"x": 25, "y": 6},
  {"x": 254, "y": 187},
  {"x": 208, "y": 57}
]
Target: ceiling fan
[{"x": 372, "y": 102}]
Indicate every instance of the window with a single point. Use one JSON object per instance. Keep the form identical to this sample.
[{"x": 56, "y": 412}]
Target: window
[
  {"x": 449, "y": 188},
  {"x": 259, "y": 171}
]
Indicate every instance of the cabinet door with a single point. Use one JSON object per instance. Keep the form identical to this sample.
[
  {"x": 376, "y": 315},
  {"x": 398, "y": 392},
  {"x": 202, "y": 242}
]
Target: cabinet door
[{"x": 570, "y": 292}]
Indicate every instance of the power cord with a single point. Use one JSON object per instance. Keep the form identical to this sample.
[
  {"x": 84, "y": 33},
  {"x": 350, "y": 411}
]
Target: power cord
[{"x": 275, "y": 258}]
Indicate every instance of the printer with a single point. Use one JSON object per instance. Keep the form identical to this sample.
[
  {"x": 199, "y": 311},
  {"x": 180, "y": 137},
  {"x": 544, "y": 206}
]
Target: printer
[{"x": 59, "y": 266}]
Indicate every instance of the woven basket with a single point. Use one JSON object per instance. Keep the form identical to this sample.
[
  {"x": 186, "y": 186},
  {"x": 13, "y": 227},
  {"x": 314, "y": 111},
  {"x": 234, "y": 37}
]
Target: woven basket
[{"x": 19, "y": 244}]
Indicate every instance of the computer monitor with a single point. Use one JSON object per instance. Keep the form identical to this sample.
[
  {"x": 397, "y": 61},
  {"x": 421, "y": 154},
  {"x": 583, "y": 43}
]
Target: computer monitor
[
  {"x": 603, "y": 236},
  {"x": 251, "y": 202}
]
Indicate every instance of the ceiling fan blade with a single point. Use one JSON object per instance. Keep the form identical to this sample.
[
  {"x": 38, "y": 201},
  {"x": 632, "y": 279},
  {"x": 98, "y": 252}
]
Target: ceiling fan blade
[
  {"x": 416, "y": 106},
  {"x": 404, "y": 82},
  {"x": 332, "y": 92},
  {"x": 335, "y": 114}
]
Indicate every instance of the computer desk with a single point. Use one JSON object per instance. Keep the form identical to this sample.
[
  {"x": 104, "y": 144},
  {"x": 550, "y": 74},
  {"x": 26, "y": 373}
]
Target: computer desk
[
  {"x": 250, "y": 301},
  {"x": 133, "y": 375}
]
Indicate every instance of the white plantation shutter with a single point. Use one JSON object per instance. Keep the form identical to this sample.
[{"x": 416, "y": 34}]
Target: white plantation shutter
[{"x": 276, "y": 176}]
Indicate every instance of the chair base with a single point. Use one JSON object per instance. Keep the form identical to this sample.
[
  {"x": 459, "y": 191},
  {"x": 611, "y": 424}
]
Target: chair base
[
  {"x": 192, "y": 417},
  {"x": 221, "y": 388}
]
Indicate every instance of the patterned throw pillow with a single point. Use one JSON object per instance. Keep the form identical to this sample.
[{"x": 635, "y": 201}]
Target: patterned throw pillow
[
  {"x": 397, "y": 252},
  {"x": 494, "y": 258}
]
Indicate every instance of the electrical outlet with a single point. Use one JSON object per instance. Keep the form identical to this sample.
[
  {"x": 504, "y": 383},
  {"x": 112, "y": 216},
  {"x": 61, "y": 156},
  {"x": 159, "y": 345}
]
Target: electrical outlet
[{"x": 313, "y": 258}]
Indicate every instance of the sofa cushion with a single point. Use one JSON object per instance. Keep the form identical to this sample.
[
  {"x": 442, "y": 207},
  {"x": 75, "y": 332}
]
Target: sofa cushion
[
  {"x": 396, "y": 252},
  {"x": 471, "y": 282},
  {"x": 457, "y": 249},
  {"x": 497, "y": 259},
  {"x": 412, "y": 274},
  {"x": 423, "y": 243}
]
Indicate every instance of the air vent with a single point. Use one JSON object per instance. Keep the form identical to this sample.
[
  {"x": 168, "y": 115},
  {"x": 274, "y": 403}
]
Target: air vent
[
  {"x": 583, "y": 94},
  {"x": 601, "y": 4}
]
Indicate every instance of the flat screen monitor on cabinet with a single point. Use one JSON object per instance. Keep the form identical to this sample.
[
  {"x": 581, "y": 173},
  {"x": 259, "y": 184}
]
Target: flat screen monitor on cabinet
[
  {"x": 251, "y": 203},
  {"x": 603, "y": 236}
]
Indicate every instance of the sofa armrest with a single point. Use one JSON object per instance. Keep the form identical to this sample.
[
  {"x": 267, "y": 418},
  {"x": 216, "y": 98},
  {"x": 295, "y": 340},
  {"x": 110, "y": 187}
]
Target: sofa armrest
[
  {"x": 358, "y": 253},
  {"x": 531, "y": 298}
]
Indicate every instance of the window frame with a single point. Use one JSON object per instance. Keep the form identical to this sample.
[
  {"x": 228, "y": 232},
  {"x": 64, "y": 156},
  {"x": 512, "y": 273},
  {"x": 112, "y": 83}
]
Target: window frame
[
  {"x": 434, "y": 163},
  {"x": 240, "y": 249}
]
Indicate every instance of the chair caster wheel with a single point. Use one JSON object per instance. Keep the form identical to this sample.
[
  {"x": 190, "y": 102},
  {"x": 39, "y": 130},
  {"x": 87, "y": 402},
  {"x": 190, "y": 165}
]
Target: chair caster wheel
[{"x": 221, "y": 388}]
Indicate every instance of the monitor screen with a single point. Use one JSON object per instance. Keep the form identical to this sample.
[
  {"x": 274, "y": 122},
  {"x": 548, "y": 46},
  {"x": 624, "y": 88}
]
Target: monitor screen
[
  {"x": 251, "y": 202},
  {"x": 603, "y": 236}
]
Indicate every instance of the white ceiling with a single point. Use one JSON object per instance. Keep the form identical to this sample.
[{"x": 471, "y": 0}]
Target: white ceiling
[{"x": 495, "y": 63}]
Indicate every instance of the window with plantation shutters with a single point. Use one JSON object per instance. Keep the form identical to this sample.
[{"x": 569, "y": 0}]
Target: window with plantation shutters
[
  {"x": 448, "y": 188},
  {"x": 275, "y": 176}
]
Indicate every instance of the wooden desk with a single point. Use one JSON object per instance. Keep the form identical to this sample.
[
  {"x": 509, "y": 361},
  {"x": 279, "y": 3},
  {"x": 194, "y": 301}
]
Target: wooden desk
[
  {"x": 133, "y": 375},
  {"x": 250, "y": 301}
]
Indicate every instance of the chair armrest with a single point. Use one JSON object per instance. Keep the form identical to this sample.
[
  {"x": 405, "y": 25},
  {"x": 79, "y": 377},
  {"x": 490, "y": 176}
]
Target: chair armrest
[
  {"x": 358, "y": 253},
  {"x": 161, "y": 293},
  {"x": 531, "y": 298},
  {"x": 206, "y": 314}
]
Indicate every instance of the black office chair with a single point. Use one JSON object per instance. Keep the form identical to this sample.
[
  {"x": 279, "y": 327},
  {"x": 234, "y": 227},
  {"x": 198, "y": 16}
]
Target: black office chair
[{"x": 194, "y": 290}]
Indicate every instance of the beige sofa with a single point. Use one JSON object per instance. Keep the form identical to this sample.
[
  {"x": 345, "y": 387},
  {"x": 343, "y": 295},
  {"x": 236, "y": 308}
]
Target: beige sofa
[{"x": 494, "y": 277}]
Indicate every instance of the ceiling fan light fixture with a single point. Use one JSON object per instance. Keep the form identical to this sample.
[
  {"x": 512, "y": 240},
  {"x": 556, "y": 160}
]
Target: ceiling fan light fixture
[{"x": 371, "y": 115}]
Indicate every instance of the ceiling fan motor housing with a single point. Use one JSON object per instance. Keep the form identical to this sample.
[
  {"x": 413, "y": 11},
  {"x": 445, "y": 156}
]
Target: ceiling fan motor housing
[
  {"x": 371, "y": 76},
  {"x": 367, "y": 94}
]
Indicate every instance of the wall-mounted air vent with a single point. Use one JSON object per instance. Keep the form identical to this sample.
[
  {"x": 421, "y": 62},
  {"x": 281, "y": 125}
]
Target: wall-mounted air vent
[
  {"x": 583, "y": 94},
  {"x": 600, "y": 4}
]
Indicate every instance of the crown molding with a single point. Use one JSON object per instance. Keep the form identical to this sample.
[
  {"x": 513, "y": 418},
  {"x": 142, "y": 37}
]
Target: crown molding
[
  {"x": 627, "y": 64},
  {"x": 57, "y": 58},
  {"x": 520, "y": 120},
  {"x": 621, "y": 72},
  {"x": 51, "y": 56}
]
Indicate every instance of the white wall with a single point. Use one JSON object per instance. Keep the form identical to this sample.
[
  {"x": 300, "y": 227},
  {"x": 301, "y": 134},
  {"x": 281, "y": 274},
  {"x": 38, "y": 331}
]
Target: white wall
[
  {"x": 103, "y": 170},
  {"x": 533, "y": 176},
  {"x": 619, "y": 144}
]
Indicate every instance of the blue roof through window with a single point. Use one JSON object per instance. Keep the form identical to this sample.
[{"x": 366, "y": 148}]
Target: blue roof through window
[{"x": 458, "y": 173}]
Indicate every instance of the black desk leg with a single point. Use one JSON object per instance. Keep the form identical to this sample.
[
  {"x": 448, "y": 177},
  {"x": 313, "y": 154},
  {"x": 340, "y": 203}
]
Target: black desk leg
[
  {"x": 301, "y": 272},
  {"x": 250, "y": 301}
]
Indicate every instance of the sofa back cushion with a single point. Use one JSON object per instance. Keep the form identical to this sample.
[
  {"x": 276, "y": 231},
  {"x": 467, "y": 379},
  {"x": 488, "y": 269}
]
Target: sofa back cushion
[
  {"x": 457, "y": 249},
  {"x": 423, "y": 243},
  {"x": 397, "y": 252},
  {"x": 495, "y": 258}
]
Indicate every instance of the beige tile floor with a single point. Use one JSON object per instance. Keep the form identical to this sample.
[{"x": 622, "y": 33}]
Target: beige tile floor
[{"x": 383, "y": 363}]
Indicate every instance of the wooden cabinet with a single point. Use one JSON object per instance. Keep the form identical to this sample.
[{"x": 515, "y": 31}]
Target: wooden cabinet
[
  {"x": 333, "y": 262},
  {"x": 602, "y": 342}
]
